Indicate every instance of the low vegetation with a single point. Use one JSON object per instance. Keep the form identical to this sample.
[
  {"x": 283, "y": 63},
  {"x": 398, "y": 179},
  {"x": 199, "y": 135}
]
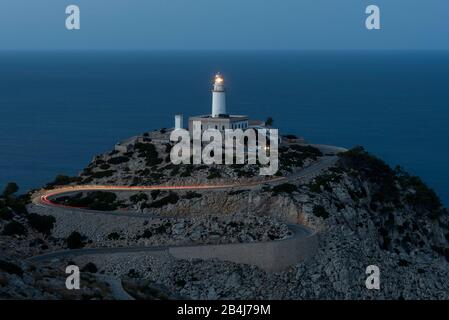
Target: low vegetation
[
  {"x": 284, "y": 188},
  {"x": 62, "y": 180},
  {"x": 42, "y": 223},
  {"x": 95, "y": 200},
  {"x": 149, "y": 152},
  {"x": 172, "y": 198},
  {"x": 75, "y": 240},
  {"x": 294, "y": 156}
]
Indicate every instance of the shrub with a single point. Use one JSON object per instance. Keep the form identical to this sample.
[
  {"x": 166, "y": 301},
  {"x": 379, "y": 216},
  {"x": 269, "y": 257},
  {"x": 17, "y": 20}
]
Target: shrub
[
  {"x": 422, "y": 198},
  {"x": 11, "y": 268},
  {"x": 75, "y": 240},
  {"x": 118, "y": 160},
  {"x": 6, "y": 213},
  {"x": 103, "y": 201},
  {"x": 146, "y": 234},
  {"x": 102, "y": 174},
  {"x": 104, "y": 166},
  {"x": 113, "y": 236},
  {"x": 155, "y": 194},
  {"x": 90, "y": 267},
  {"x": 403, "y": 263},
  {"x": 132, "y": 273},
  {"x": 214, "y": 173},
  {"x": 372, "y": 169},
  {"x": 320, "y": 211},
  {"x": 10, "y": 189},
  {"x": 97, "y": 200},
  {"x": 295, "y": 155},
  {"x": 42, "y": 223},
  {"x": 138, "y": 197},
  {"x": 285, "y": 187},
  {"x": 17, "y": 204},
  {"x": 174, "y": 171},
  {"x": 170, "y": 198},
  {"x": 62, "y": 180},
  {"x": 149, "y": 152},
  {"x": 323, "y": 180},
  {"x": 235, "y": 192},
  {"x": 192, "y": 195},
  {"x": 14, "y": 228}
]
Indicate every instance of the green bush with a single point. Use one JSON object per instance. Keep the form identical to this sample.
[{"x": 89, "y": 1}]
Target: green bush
[
  {"x": 423, "y": 199},
  {"x": 90, "y": 267},
  {"x": 138, "y": 197},
  {"x": 155, "y": 194},
  {"x": 113, "y": 236},
  {"x": 372, "y": 169},
  {"x": 146, "y": 234},
  {"x": 10, "y": 189},
  {"x": 118, "y": 160},
  {"x": 42, "y": 223},
  {"x": 285, "y": 188},
  {"x": 6, "y": 213},
  {"x": 62, "y": 180},
  {"x": 320, "y": 211},
  {"x": 97, "y": 200},
  {"x": 214, "y": 173},
  {"x": 17, "y": 204},
  {"x": 149, "y": 152},
  {"x": 11, "y": 268},
  {"x": 170, "y": 198},
  {"x": 192, "y": 195},
  {"x": 75, "y": 240},
  {"x": 102, "y": 174},
  {"x": 14, "y": 228},
  {"x": 104, "y": 166},
  {"x": 235, "y": 192},
  {"x": 324, "y": 181}
]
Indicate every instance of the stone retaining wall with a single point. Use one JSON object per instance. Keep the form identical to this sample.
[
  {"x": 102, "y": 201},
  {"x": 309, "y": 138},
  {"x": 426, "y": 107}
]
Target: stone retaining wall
[{"x": 270, "y": 256}]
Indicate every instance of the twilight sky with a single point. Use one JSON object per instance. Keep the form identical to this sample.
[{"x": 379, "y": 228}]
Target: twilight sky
[{"x": 224, "y": 25}]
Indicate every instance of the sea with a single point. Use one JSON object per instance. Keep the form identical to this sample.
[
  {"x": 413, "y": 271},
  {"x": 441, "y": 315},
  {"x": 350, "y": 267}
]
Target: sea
[{"x": 59, "y": 109}]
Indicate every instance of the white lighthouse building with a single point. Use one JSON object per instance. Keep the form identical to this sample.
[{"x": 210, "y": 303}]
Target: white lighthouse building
[
  {"x": 218, "y": 97},
  {"x": 219, "y": 117}
]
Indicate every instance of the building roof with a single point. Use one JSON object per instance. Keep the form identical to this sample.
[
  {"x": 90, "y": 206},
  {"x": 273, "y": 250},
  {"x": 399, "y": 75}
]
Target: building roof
[{"x": 232, "y": 117}]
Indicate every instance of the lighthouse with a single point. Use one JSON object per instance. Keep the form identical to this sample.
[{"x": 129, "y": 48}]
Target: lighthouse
[
  {"x": 219, "y": 118},
  {"x": 218, "y": 97}
]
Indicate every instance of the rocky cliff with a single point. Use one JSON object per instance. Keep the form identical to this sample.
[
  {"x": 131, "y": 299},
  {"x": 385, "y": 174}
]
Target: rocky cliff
[{"x": 365, "y": 213}]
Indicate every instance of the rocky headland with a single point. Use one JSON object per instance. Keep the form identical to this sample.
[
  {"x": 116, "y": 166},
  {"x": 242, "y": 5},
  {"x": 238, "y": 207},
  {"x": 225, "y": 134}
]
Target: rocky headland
[{"x": 363, "y": 212}]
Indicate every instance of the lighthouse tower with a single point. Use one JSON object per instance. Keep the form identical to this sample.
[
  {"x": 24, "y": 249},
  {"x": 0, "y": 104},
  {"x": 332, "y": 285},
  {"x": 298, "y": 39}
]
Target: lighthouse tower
[{"x": 218, "y": 97}]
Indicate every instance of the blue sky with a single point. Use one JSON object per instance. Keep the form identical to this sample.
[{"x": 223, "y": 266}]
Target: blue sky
[{"x": 224, "y": 25}]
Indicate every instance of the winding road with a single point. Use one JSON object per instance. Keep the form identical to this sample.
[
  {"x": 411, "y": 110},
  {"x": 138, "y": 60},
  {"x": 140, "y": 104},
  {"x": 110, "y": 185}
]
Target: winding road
[{"x": 44, "y": 199}]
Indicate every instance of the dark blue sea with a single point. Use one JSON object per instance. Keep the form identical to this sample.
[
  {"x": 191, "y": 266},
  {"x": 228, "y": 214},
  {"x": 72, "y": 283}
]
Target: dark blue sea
[{"x": 59, "y": 109}]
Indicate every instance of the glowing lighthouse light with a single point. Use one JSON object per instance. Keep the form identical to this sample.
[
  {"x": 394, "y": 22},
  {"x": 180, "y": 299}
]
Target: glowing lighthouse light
[
  {"x": 218, "y": 97},
  {"x": 218, "y": 79}
]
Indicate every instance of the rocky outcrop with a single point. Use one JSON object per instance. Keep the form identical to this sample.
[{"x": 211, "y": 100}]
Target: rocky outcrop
[{"x": 365, "y": 213}]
